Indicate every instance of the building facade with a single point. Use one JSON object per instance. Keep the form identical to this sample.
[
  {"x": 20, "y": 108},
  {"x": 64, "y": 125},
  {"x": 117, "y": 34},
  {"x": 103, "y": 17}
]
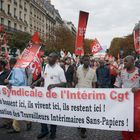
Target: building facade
[
  {"x": 70, "y": 26},
  {"x": 29, "y": 16}
]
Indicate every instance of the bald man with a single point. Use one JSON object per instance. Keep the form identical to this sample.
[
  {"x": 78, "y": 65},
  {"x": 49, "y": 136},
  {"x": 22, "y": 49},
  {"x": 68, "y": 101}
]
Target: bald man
[
  {"x": 130, "y": 78},
  {"x": 53, "y": 76}
]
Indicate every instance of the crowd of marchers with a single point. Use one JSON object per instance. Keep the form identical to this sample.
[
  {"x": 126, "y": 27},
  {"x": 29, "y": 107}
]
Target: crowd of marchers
[{"x": 84, "y": 72}]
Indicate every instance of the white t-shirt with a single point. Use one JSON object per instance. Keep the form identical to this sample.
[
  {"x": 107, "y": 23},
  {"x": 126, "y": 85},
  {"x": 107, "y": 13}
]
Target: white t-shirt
[
  {"x": 128, "y": 79},
  {"x": 53, "y": 75}
]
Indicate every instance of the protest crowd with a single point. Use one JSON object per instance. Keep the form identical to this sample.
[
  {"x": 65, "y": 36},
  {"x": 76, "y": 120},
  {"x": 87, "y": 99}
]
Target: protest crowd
[
  {"x": 57, "y": 70},
  {"x": 83, "y": 81}
]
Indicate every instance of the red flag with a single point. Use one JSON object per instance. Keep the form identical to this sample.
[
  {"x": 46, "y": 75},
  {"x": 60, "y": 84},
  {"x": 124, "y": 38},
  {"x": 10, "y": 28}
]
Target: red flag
[
  {"x": 83, "y": 19},
  {"x": 35, "y": 38},
  {"x": 29, "y": 53},
  {"x": 136, "y": 41},
  {"x": 36, "y": 66},
  {"x": 95, "y": 46}
]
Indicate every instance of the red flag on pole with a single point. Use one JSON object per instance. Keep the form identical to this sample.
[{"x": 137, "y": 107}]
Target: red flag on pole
[
  {"x": 136, "y": 41},
  {"x": 36, "y": 66},
  {"x": 95, "y": 46},
  {"x": 83, "y": 19},
  {"x": 29, "y": 53},
  {"x": 35, "y": 38}
]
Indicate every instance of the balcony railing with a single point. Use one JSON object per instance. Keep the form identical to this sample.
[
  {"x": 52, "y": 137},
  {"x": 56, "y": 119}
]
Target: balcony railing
[{"x": 10, "y": 29}]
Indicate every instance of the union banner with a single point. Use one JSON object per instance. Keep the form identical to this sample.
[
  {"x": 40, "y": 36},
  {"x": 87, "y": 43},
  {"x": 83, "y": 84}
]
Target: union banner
[{"x": 83, "y": 19}]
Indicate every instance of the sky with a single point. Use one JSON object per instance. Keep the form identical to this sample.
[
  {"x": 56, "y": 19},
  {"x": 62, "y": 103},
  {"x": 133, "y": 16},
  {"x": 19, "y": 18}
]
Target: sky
[{"x": 107, "y": 18}]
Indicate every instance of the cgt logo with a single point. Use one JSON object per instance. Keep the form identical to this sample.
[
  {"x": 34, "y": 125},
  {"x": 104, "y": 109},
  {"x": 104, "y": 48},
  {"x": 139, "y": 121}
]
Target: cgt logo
[{"x": 117, "y": 96}]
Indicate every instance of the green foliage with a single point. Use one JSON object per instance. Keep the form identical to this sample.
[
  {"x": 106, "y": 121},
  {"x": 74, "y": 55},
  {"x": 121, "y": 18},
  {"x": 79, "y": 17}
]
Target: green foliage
[
  {"x": 125, "y": 43},
  {"x": 19, "y": 40}
]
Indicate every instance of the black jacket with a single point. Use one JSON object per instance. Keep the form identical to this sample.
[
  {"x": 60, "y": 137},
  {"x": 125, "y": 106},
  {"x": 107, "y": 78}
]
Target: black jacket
[
  {"x": 4, "y": 76},
  {"x": 103, "y": 76},
  {"x": 69, "y": 74}
]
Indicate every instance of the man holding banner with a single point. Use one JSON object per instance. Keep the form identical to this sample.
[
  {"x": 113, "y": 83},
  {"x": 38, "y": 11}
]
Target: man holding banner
[
  {"x": 17, "y": 78},
  {"x": 130, "y": 78},
  {"x": 53, "y": 76},
  {"x": 85, "y": 78}
]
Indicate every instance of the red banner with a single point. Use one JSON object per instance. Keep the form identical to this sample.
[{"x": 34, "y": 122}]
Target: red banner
[
  {"x": 36, "y": 66},
  {"x": 95, "y": 46},
  {"x": 83, "y": 19},
  {"x": 137, "y": 40},
  {"x": 27, "y": 55}
]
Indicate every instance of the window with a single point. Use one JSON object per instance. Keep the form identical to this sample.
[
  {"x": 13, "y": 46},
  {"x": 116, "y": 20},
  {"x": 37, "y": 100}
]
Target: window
[
  {"x": 34, "y": 14},
  {"x": 20, "y": 27},
  {"x": 15, "y": 12},
  {"x": 25, "y": 9},
  {"x": 25, "y": 17},
  {"x": 9, "y": 23},
  {"x": 1, "y": 5},
  {"x": 20, "y": 14},
  {"x": 15, "y": 26},
  {"x": 2, "y": 20},
  {"x": 31, "y": 11},
  {"x": 19, "y": 2},
  {"x": 8, "y": 9},
  {"x": 15, "y": 2},
  {"x": 25, "y": 28}
]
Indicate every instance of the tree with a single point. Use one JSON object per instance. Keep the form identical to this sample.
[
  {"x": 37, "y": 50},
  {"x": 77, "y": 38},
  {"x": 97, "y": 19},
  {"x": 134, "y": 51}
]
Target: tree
[
  {"x": 126, "y": 44},
  {"x": 19, "y": 40},
  {"x": 87, "y": 44},
  {"x": 61, "y": 38}
]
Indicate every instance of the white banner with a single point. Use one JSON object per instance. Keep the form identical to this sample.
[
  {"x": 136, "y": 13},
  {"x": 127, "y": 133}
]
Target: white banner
[{"x": 107, "y": 109}]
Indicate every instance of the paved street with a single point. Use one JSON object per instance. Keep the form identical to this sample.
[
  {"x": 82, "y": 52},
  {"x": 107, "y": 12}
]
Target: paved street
[{"x": 63, "y": 133}]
